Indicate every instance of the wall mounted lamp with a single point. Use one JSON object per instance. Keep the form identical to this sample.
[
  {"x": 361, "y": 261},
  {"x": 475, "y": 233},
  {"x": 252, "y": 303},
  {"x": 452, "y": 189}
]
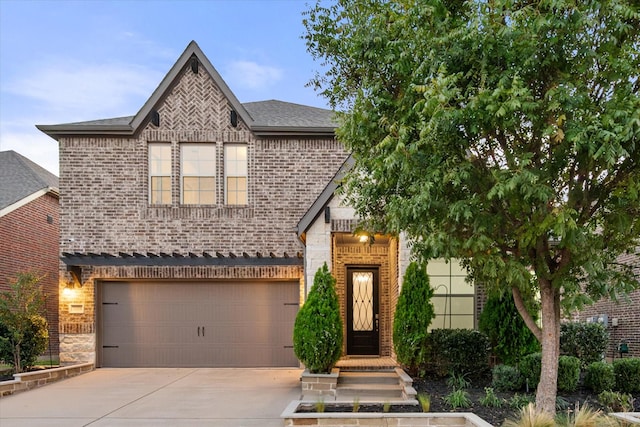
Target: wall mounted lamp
[{"x": 76, "y": 276}]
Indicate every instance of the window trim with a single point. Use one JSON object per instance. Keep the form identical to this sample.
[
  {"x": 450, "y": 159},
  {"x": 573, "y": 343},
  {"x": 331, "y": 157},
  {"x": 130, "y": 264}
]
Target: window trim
[
  {"x": 226, "y": 173},
  {"x": 150, "y": 174},
  {"x": 213, "y": 174}
]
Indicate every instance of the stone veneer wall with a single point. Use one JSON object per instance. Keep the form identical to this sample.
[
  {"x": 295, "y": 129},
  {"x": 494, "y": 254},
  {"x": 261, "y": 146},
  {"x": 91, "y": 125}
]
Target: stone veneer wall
[{"x": 104, "y": 187}]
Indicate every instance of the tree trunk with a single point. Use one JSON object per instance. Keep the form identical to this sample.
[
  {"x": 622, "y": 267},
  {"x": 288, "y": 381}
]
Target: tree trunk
[
  {"x": 16, "y": 359},
  {"x": 547, "y": 387}
]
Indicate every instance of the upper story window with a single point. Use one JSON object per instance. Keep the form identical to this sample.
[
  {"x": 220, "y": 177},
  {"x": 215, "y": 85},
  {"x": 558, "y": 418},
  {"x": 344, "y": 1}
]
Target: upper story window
[
  {"x": 198, "y": 174},
  {"x": 235, "y": 172},
  {"x": 160, "y": 174}
]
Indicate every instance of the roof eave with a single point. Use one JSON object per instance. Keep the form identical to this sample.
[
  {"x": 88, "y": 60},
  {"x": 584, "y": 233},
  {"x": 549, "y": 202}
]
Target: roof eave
[
  {"x": 293, "y": 131},
  {"x": 324, "y": 198},
  {"x": 58, "y": 131}
]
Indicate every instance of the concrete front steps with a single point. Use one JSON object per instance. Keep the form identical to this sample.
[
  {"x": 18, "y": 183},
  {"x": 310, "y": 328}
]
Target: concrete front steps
[{"x": 379, "y": 385}]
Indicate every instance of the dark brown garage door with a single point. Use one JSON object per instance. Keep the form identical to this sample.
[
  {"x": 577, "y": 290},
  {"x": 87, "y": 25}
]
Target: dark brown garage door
[{"x": 194, "y": 324}]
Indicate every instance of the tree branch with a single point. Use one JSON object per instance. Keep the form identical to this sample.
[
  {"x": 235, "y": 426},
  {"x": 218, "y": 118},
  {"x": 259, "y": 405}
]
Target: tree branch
[{"x": 526, "y": 316}]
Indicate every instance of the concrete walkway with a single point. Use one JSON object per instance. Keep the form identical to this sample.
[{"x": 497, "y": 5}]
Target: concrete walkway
[{"x": 157, "y": 397}]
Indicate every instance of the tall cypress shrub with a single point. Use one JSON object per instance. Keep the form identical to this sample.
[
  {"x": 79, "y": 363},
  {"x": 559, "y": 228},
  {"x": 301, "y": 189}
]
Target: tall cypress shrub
[
  {"x": 317, "y": 332},
  {"x": 414, "y": 313},
  {"x": 508, "y": 335}
]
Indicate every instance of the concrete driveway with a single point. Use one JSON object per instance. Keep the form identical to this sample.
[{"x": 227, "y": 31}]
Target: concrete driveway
[{"x": 157, "y": 397}]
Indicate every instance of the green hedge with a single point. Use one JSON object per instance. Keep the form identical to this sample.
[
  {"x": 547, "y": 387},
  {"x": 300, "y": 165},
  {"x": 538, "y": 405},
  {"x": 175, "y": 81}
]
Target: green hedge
[
  {"x": 568, "y": 373},
  {"x": 458, "y": 351},
  {"x": 586, "y": 341},
  {"x": 530, "y": 367},
  {"x": 627, "y": 373},
  {"x": 600, "y": 377},
  {"x": 506, "y": 378}
]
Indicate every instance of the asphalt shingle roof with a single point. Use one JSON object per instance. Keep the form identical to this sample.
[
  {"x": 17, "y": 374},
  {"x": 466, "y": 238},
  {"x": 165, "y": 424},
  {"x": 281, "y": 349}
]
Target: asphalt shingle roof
[
  {"x": 286, "y": 114},
  {"x": 272, "y": 113},
  {"x": 20, "y": 177}
]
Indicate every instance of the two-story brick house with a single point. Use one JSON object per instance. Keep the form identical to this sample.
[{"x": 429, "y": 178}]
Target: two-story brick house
[{"x": 191, "y": 232}]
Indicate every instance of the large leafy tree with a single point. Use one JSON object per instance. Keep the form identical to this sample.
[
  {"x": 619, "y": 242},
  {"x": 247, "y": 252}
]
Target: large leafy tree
[{"x": 502, "y": 132}]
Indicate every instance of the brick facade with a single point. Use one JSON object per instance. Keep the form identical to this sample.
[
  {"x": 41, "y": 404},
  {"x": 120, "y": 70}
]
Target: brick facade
[
  {"x": 104, "y": 186},
  {"x": 30, "y": 238},
  {"x": 625, "y": 312},
  {"x": 383, "y": 256}
]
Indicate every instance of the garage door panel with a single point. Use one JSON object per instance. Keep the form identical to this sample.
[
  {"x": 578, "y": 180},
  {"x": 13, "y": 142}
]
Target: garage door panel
[{"x": 198, "y": 324}]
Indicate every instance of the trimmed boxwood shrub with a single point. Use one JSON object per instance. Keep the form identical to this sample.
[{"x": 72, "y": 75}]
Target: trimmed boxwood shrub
[
  {"x": 506, "y": 378},
  {"x": 568, "y": 373},
  {"x": 317, "y": 332},
  {"x": 586, "y": 341},
  {"x": 458, "y": 351},
  {"x": 530, "y": 367},
  {"x": 627, "y": 373},
  {"x": 600, "y": 377},
  {"x": 414, "y": 313}
]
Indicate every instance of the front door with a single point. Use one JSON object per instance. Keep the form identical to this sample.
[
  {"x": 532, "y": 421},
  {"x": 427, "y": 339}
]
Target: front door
[{"x": 363, "y": 336}]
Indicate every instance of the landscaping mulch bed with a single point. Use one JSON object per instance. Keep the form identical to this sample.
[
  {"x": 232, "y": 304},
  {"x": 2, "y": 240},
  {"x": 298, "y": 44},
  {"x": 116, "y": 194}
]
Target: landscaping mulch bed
[{"x": 437, "y": 389}]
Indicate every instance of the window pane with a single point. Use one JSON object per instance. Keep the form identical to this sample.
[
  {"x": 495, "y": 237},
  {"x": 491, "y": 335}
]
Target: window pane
[
  {"x": 159, "y": 173},
  {"x": 459, "y": 285},
  {"x": 235, "y": 161},
  {"x": 362, "y": 301},
  {"x": 237, "y": 191},
  {"x": 461, "y": 305},
  {"x": 461, "y": 322},
  {"x": 198, "y": 170},
  {"x": 161, "y": 190}
]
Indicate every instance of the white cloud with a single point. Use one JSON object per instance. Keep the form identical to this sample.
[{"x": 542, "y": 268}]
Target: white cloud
[
  {"x": 248, "y": 74},
  {"x": 87, "y": 91}
]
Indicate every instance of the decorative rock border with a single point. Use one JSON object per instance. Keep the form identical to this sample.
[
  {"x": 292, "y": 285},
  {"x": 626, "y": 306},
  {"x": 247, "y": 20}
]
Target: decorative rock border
[
  {"x": 448, "y": 419},
  {"x": 28, "y": 380}
]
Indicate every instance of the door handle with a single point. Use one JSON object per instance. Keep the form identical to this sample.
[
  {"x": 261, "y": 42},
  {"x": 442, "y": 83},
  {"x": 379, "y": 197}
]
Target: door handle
[
  {"x": 203, "y": 331},
  {"x": 198, "y": 330}
]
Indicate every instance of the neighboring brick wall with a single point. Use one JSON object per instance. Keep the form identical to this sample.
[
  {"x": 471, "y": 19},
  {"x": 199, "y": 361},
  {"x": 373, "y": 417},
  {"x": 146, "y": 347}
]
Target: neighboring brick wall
[
  {"x": 626, "y": 312},
  {"x": 30, "y": 244}
]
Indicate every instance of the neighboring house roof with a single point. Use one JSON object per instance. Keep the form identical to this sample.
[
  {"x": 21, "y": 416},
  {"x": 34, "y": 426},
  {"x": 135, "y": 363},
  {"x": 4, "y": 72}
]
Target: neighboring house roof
[
  {"x": 263, "y": 118},
  {"x": 324, "y": 198},
  {"x": 22, "y": 181}
]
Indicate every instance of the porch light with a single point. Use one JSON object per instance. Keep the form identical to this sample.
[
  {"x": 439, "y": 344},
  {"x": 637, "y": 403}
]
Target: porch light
[
  {"x": 364, "y": 238},
  {"x": 69, "y": 289}
]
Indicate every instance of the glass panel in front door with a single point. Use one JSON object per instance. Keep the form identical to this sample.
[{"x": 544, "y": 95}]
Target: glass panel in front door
[{"x": 362, "y": 301}]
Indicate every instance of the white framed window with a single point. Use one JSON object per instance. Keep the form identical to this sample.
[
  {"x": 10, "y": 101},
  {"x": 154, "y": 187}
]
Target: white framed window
[
  {"x": 198, "y": 174},
  {"x": 235, "y": 174},
  {"x": 159, "y": 173}
]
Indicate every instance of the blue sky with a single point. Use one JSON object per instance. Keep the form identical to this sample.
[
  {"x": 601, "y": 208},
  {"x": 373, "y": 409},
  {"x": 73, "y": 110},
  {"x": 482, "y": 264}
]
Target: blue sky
[{"x": 69, "y": 61}]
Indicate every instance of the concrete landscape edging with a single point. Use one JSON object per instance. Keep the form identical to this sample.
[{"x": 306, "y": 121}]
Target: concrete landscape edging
[
  {"x": 29, "y": 380},
  {"x": 449, "y": 419}
]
